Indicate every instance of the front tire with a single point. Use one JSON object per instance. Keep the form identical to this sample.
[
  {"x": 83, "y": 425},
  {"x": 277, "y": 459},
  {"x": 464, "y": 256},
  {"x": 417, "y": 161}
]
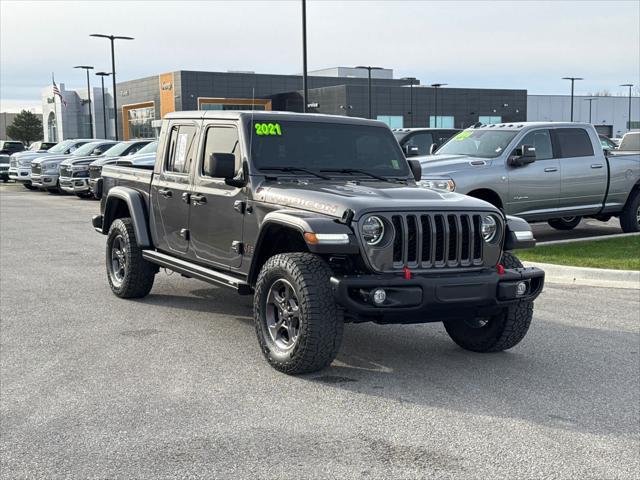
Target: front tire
[
  {"x": 298, "y": 324},
  {"x": 499, "y": 332},
  {"x": 129, "y": 275},
  {"x": 565, "y": 223},
  {"x": 630, "y": 218}
]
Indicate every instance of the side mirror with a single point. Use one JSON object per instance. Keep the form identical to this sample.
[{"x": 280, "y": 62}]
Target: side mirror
[
  {"x": 433, "y": 148},
  {"x": 411, "y": 151},
  {"x": 416, "y": 169},
  {"x": 220, "y": 165},
  {"x": 522, "y": 156}
]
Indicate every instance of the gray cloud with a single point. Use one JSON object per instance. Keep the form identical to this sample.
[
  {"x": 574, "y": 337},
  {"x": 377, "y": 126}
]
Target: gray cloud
[{"x": 509, "y": 44}]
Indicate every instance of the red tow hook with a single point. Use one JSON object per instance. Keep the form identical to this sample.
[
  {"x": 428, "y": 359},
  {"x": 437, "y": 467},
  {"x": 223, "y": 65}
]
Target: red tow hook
[
  {"x": 500, "y": 269},
  {"x": 407, "y": 273}
]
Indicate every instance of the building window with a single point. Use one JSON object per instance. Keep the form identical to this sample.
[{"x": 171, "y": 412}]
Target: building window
[
  {"x": 52, "y": 127},
  {"x": 393, "y": 121},
  {"x": 229, "y": 106},
  {"x": 139, "y": 120},
  {"x": 633, "y": 125},
  {"x": 441, "y": 121},
  {"x": 489, "y": 119}
]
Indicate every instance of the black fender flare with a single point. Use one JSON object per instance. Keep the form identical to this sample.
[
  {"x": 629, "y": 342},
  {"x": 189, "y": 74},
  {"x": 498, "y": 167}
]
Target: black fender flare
[
  {"x": 137, "y": 211},
  {"x": 301, "y": 223},
  {"x": 518, "y": 234}
]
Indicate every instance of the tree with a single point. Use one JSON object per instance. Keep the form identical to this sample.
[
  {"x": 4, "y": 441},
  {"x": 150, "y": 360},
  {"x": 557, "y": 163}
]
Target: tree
[{"x": 26, "y": 127}]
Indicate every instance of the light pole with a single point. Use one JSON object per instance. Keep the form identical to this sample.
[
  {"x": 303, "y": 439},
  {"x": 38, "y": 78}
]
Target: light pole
[
  {"x": 590, "y": 100},
  {"x": 573, "y": 79},
  {"x": 113, "y": 74},
  {"x": 104, "y": 107},
  {"x": 305, "y": 88},
  {"x": 369, "y": 68},
  {"x": 410, "y": 80},
  {"x": 436, "y": 86},
  {"x": 628, "y": 85},
  {"x": 87, "y": 68}
]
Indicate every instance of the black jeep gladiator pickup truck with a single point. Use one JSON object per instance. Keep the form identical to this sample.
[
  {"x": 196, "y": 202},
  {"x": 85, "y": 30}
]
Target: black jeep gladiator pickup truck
[{"x": 321, "y": 219}]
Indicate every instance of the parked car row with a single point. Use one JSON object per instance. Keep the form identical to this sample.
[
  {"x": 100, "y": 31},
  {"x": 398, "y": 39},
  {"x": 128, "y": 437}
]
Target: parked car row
[
  {"x": 552, "y": 172},
  {"x": 67, "y": 167}
]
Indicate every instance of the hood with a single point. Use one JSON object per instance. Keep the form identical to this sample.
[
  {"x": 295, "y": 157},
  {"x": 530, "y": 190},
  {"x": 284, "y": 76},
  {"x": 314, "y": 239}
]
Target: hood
[
  {"x": 49, "y": 158},
  {"x": 335, "y": 197},
  {"x": 102, "y": 160},
  {"x": 143, "y": 159},
  {"x": 447, "y": 164},
  {"x": 78, "y": 160}
]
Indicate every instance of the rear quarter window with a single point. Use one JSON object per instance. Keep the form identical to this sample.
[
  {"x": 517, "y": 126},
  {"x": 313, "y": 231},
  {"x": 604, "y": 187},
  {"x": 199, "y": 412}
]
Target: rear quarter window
[{"x": 574, "y": 142}]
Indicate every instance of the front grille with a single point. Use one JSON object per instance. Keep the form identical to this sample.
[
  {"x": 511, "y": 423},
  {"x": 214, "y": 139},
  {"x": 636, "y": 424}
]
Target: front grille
[
  {"x": 81, "y": 174},
  {"x": 36, "y": 168},
  {"x": 435, "y": 240},
  {"x": 65, "y": 171},
  {"x": 95, "y": 171}
]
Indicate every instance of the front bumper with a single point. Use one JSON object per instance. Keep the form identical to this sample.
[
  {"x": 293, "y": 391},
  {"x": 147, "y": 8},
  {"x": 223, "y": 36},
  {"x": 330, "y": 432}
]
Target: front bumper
[
  {"x": 74, "y": 184},
  {"x": 20, "y": 174},
  {"x": 49, "y": 180},
  {"x": 36, "y": 180},
  {"x": 434, "y": 297}
]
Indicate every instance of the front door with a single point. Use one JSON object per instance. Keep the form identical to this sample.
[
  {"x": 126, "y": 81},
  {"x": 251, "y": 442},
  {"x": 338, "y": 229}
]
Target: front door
[
  {"x": 170, "y": 190},
  {"x": 217, "y": 209},
  {"x": 534, "y": 189},
  {"x": 583, "y": 171}
]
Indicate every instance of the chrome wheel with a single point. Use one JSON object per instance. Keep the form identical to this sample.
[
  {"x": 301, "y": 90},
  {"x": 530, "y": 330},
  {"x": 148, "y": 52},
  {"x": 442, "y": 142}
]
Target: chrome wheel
[
  {"x": 283, "y": 314},
  {"x": 638, "y": 215},
  {"x": 118, "y": 260}
]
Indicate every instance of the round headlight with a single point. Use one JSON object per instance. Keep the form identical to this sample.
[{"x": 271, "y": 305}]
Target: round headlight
[
  {"x": 489, "y": 228},
  {"x": 373, "y": 230}
]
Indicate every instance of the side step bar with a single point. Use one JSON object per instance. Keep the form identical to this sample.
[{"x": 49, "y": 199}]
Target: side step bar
[{"x": 193, "y": 270}]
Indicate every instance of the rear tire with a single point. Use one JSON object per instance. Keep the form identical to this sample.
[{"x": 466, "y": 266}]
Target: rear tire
[
  {"x": 298, "y": 324},
  {"x": 630, "y": 218},
  {"x": 565, "y": 223},
  {"x": 499, "y": 332},
  {"x": 129, "y": 275},
  {"x": 28, "y": 186}
]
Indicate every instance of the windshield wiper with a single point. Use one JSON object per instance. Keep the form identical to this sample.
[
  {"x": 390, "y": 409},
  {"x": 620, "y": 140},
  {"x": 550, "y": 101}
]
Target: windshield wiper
[
  {"x": 357, "y": 170},
  {"x": 296, "y": 169}
]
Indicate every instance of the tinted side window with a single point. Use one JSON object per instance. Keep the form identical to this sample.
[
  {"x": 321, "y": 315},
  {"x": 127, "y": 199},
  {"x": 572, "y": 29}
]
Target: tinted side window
[
  {"x": 181, "y": 148},
  {"x": 421, "y": 140},
  {"x": 541, "y": 140},
  {"x": 222, "y": 140},
  {"x": 574, "y": 142}
]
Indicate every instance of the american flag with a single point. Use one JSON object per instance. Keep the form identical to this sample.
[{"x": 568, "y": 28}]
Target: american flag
[{"x": 56, "y": 91}]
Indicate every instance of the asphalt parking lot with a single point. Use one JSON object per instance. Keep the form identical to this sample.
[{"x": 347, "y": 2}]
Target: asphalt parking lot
[{"x": 174, "y": 386}]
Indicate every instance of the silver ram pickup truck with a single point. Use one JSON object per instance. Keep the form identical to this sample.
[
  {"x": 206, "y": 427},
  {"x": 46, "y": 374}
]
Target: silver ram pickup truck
[{"x": 554, "y": 172}]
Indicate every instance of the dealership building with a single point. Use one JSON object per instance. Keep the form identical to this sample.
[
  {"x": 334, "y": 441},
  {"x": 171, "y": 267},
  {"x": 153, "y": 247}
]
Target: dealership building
[{"x": 336, "y": 91}]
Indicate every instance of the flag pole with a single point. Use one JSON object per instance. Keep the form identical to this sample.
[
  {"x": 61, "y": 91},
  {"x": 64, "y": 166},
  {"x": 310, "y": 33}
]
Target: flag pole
[{"x": 55, "y": 108}]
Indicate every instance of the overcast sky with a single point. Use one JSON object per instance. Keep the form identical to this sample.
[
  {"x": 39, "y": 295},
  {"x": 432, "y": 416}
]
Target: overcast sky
[{"x": 501, "y": 44}]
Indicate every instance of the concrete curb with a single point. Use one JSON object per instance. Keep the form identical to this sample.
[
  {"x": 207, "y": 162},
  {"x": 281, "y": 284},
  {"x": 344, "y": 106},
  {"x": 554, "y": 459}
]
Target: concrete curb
[
  {"x": 586, "y": 239},
  {"x": 595, "y": 277}
]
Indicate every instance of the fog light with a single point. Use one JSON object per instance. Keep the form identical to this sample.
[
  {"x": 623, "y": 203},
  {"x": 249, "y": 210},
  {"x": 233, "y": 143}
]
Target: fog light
[
  {"x": 521, "y": 289},
  {"x": 379, "y": 296}
]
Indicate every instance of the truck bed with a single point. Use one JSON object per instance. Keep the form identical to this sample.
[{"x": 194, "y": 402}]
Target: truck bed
[{"x": 138, "y": 178}]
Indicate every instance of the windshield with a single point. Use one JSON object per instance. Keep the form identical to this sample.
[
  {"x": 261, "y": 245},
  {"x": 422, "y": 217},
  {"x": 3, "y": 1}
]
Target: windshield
[
  {"x": 148, "y": 148},
  {"x": 118, "y": 149},
  {"x": 61, "y": 147},
  {"x": 326, "y": 146},
  {"x": 478, "y": 143},
  {"x": 86, "y": 149}
]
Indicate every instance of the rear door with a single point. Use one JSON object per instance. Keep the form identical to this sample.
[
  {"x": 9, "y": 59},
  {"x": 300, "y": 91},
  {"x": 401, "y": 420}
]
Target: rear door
[
  {"x": 171, "y": 186},
  {"x": 583, "y": 171},
  {"x": 216, "y": 217},
  {"x": 534, "y": 189},
  {"x": 422, "y": 140}
]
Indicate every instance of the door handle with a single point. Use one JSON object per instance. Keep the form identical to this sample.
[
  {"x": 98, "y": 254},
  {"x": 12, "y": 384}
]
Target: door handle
[
  {"x": 199, "y": 199},
  {"x": 596, "y": 165},
  {"x": 550, "y": 169},
  {"x": 165, "y": 192}
]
